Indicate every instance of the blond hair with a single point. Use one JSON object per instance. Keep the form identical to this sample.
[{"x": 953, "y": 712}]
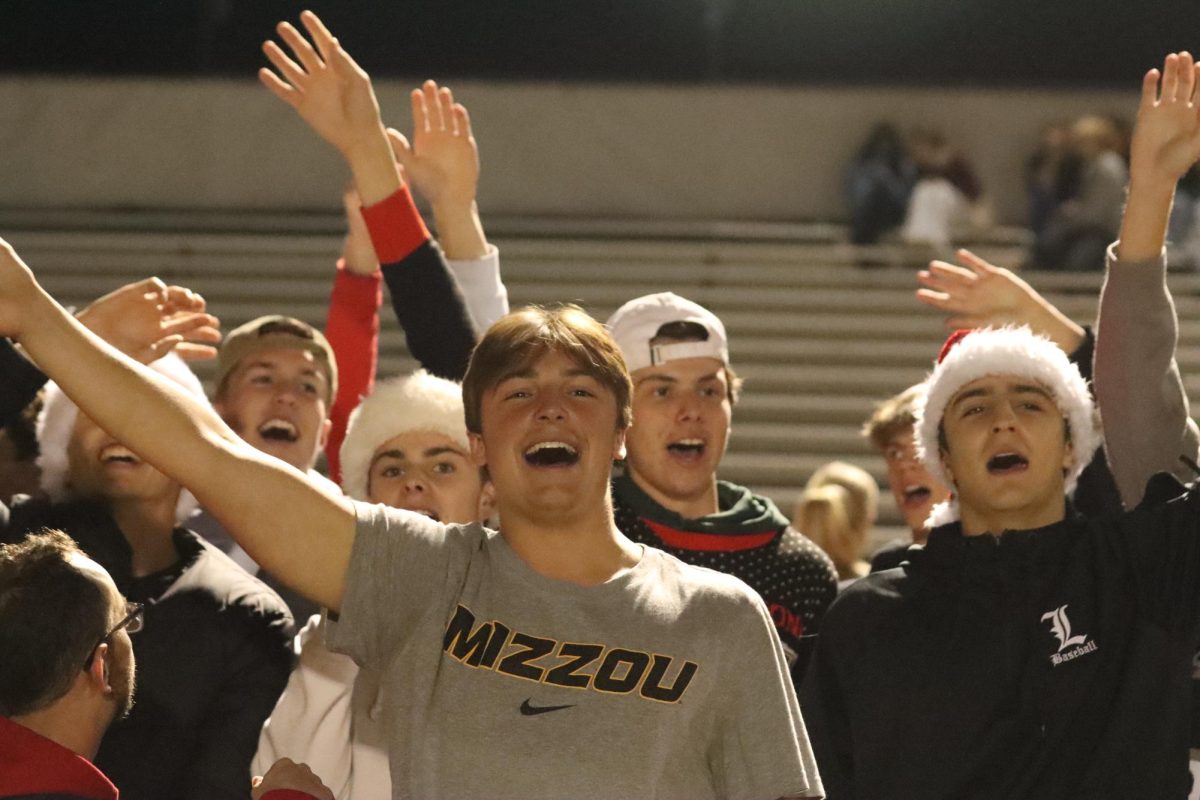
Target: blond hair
[{"x": 836, "y": 510}]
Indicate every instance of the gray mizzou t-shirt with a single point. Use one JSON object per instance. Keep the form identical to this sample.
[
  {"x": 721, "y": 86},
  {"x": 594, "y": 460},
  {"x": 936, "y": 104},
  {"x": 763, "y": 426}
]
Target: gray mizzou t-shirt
[{"x": 666, "y": 682}]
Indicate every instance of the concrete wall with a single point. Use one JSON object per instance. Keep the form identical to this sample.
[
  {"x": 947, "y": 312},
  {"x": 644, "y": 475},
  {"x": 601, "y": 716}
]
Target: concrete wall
[{"x": 721, "y": 152}]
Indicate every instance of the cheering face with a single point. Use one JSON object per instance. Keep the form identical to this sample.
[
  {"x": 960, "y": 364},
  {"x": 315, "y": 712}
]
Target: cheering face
[
  {"x": 681, "y": 419},
  {"x": 99, "y": 466},
  {"x": 1007, "y": 452},
  {"x": 429, "y": 473},
  {"x": 276, "y": 401},
  {"x": 549, "y": 437},
  {"x": 915, "y": 490}
]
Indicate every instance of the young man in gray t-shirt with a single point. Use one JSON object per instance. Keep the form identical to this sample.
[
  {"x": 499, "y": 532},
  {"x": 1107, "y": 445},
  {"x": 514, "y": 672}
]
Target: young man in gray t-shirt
[{"x": 555, "y": 658}]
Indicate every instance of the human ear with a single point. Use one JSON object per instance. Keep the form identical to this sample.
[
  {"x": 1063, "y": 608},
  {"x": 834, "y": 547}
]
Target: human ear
[{"x": 478, "y": 451}]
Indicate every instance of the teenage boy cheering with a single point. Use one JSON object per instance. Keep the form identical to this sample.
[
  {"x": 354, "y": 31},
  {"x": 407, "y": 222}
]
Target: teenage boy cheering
[
  {"x": 1054, "y": 653},
  {"x": 668, "y": 495}
]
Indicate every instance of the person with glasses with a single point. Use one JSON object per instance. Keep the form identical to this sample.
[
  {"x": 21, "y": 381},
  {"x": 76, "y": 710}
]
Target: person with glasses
[
  {"x": 68, "y": 666},
  {"x": 217, "y": 653}
]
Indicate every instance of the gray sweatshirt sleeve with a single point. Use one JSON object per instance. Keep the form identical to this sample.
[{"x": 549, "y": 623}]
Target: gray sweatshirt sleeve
[{"x": 1143, "y": 406}]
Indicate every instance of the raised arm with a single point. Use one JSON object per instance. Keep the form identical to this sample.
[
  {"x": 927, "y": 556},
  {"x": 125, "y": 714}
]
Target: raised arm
[
  {"x": 443, "y": 165},
  {"x": 975, "y": 294},
  {"x": 305, "y": 540},
  {"x": 352, "y": 326},
  {"x": 1141, "y": 397}
]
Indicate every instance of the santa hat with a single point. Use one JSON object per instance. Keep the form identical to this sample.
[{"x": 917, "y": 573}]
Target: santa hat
[
  {"x": 972, "y": 354},
  {"x": 416, "y": 402},
  {"x": 56, "y": 422}
]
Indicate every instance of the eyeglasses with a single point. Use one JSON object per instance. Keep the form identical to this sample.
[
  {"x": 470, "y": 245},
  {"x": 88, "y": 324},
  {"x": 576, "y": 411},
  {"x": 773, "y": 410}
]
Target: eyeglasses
[{"x": 132, "y": 622}]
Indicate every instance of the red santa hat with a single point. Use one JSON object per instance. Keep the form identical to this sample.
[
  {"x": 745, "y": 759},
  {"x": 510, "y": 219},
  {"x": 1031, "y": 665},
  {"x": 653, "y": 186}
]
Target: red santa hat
[{"x": 969, "y": 355}]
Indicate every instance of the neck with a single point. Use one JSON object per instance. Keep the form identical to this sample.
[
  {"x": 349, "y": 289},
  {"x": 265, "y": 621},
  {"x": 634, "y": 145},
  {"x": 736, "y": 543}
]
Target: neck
[
  {"x": 148, "y": 526},
  {"x": 976, "y": 522},
  {"x": 586, "y": 549},
  {"x": 692, "y": 506},
  {"x": 69, "y": 723}
]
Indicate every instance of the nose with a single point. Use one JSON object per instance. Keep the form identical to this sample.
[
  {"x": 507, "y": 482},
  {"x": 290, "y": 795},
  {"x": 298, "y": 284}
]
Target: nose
[
  {"x": 285, "y": 393},
  {"x": 689, "y": 408},
  {"x": 551, "y": 408},
  {"x": 414, "y": 482},
  {"x": 1005, "y": 419}
]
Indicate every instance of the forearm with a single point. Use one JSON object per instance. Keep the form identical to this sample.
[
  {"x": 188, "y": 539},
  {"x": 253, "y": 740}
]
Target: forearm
[
  {"x": 374, "y": 168},
  {"x": 352, "y": 328},
  {"x": 460, "y": 231},
  {"x": 428, "y": 303},
  {"x": 1143, "y": 406},
  {"x": 483, "y": 290}
]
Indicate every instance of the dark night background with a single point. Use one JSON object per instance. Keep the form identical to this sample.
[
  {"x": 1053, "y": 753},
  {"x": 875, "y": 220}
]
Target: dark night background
[{"x": 915, "y": 42}]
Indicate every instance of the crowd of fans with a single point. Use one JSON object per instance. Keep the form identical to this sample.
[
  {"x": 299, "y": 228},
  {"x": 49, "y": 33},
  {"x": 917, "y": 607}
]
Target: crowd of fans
[{"x": 523, "y": 577}]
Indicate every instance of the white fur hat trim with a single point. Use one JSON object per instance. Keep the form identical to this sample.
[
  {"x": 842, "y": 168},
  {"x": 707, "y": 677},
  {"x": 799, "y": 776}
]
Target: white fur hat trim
[
  {"x": 1005, "y": 351},
  {"x": 57, "y": 420},
  {"x": 416, "y": 402}
]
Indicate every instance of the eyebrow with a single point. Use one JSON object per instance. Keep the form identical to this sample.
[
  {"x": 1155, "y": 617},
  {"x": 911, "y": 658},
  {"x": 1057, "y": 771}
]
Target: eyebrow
[
  {"x": 1017, "y": 388},
  {"x": 432, "y": 452},
  {"x": 530, "y": 372}
]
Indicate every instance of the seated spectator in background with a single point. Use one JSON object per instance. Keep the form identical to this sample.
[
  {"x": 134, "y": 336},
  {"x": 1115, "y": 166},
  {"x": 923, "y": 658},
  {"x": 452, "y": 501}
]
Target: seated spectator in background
[
  {"x": 878, "y": 183},
  {"x": 947, "y": 197},
  {"x": 837, "y": 509},
  {"x": 1051, "y": 175},
  {"x": 546, "y": 400},
  {"x": 69, "y": 672},
  {"x": 406, "y": 446},
  {"x": 666, "y": 493},
  {"x": 1183, "y": 231},
  {"x": 1077, "y": 233},
  {"x": 1087, "y": 677}
]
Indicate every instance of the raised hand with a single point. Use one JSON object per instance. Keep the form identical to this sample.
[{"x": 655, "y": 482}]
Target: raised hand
[
  {"x": 975, "y": 294},
  {"x": 443, "y": 160},
  {"x": 333, "y": 94},
  {"x": 1166, "y": 138},
  {"x": 1166, "y": 142},
  {"x": 287, "y": 774},
  {"x": 443, "y": 164},
  {"x": 325, "y": 86},
  {"x": 147, "y": 319}
]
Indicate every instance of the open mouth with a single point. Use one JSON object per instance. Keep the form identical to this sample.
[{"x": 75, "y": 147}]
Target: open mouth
[
  {"x": 278, "y": 430},
  {"x": 1007, "y": 463},
  {"x": 687, "y": 449},
  {"x": 916, "y": 494},
  {"x": 117, "y": 454},
  {"x": 551, "y": 454},
  {"x": 428, "y": 513}
]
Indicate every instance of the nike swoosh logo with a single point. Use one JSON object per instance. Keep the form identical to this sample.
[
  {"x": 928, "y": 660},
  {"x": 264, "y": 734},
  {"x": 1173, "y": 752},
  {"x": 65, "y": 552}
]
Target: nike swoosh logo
[{"x": 531, "y": 711}]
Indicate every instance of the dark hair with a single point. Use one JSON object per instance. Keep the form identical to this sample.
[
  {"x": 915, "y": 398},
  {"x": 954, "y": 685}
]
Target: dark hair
[
  {"x": 687, "y": 331},
  {"x": 51, "y": 613},
  {"x": 519, "y": 339}
]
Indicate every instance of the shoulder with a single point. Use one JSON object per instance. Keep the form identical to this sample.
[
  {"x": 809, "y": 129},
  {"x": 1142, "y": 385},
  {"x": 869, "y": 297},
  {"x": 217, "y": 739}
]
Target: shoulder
[
  {"x": 796, "y": 548},
  {"x": 233, "y": 591},
  {"x": 702, "y": 589},
  {"x": 396, "y": 526}
]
